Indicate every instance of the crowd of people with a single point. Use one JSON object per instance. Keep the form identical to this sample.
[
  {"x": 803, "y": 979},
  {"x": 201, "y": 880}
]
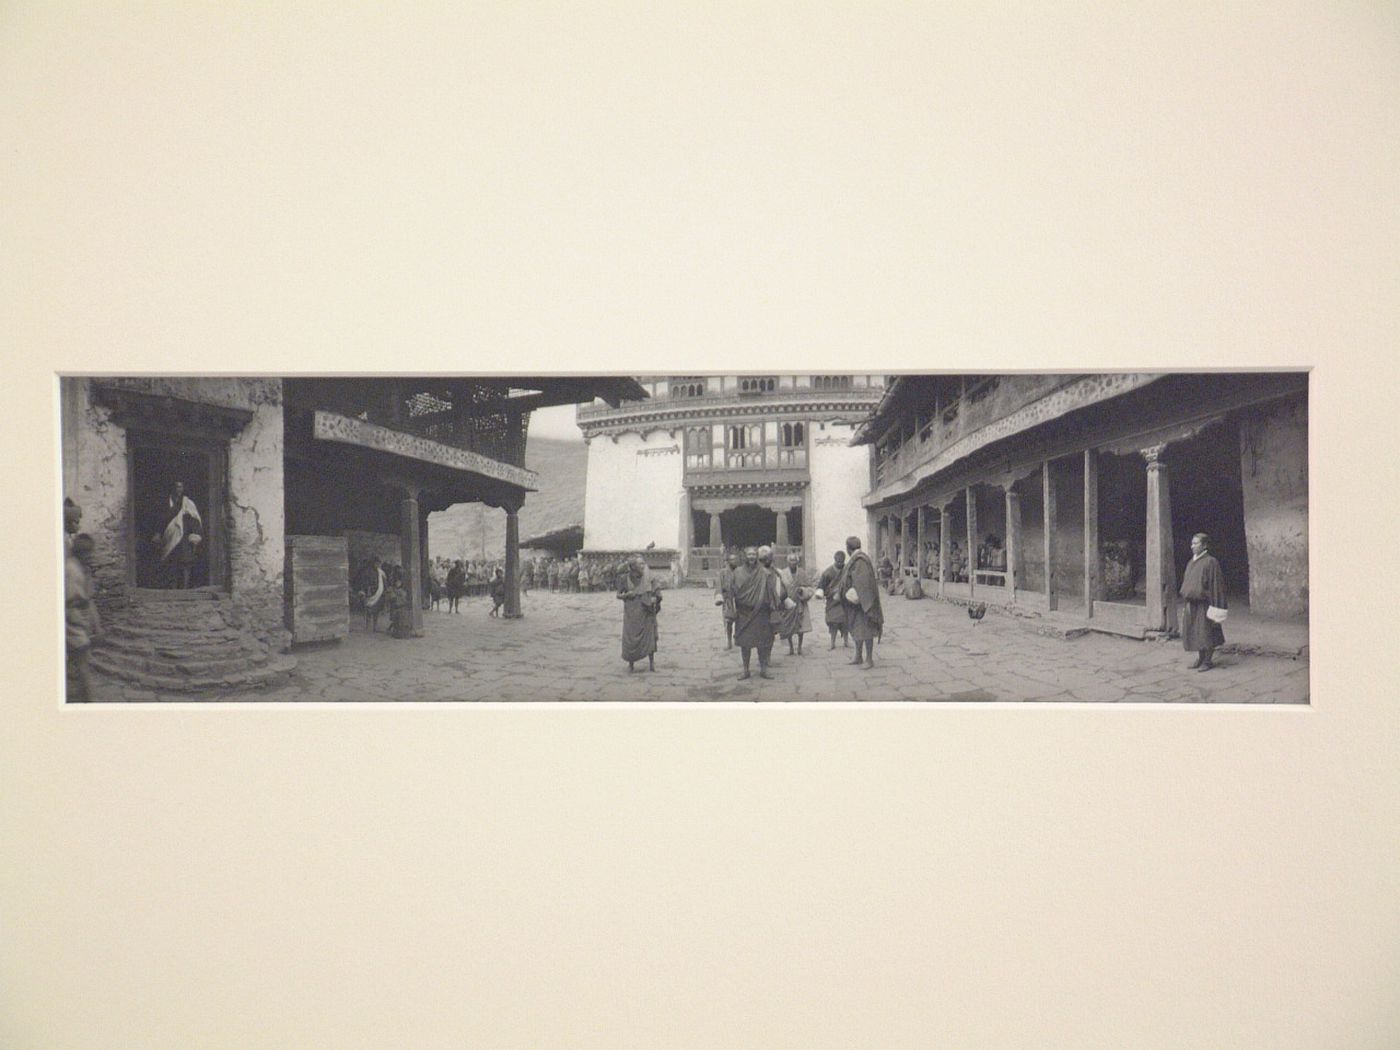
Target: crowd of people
[
  {"x": 761, "y": 602},
  {"x": 574, "y": 575}
]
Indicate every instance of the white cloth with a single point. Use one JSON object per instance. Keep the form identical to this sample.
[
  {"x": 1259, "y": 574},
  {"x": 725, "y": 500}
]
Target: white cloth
[
  {"x": 175, "y": 531},
  {"x": 373, "y": 599}
]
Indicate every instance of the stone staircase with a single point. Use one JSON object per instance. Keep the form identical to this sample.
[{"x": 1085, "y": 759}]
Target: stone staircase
[{"x": 186, "y": 642}]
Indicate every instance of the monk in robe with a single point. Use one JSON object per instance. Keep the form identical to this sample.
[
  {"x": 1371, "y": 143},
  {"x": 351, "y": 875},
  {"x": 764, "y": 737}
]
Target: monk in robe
[
  {"x": 179, "y": 540},
  {"x": 640, "y": 595},
  {"x": 756, "y": 595},
  {"x": 835, "y": 609},
  {"x": 794, "y": 620},
  {"x": 397, "y": 600},
  {"x": 724, "y": 598},
  {"x": 859, "y": 587},
  {"x": 1203, "y": 590}
]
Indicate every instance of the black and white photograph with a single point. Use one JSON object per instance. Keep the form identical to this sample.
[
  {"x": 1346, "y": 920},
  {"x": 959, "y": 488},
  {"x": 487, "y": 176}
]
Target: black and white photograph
[
  {"x": 1095, "y": 537},
  {"x": 700, "y": 525}
]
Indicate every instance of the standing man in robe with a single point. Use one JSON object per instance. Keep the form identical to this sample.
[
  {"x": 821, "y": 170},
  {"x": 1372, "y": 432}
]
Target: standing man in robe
[
  {"x": 755, "y": 597},
  {"x": 796, "y": 620},
  {"x": 835, "y": 609},
  {"x": 641, "y": 601},
  {"x": 724, "y": 597},
  {"x": 180, "y": 539},
  {"x": 1203, "y": 589},
  {"x": 859, "y": 587}
]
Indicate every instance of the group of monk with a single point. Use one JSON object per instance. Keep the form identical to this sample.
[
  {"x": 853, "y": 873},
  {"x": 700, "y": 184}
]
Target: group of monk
[{"x": 762, "y": 602}]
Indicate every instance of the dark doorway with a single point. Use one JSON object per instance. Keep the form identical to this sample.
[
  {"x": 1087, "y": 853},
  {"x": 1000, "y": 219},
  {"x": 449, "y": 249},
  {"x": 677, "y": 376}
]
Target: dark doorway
[
  {"x": 156, "y": 466},
  {"x": 1207, "y": 495},
  {"x": 1123, "y": 527},
  {"x": 749, "y": 525},
  {"x": 794, "y": 527}
]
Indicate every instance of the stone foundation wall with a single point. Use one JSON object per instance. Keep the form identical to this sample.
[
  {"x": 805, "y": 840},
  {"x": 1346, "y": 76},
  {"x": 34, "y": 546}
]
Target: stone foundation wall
[{"x": 1274, "y": 472}]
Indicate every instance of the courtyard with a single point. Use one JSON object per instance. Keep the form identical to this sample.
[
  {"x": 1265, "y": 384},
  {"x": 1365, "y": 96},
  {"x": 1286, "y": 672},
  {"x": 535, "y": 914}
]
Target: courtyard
[{"x": 567, "y": 648}]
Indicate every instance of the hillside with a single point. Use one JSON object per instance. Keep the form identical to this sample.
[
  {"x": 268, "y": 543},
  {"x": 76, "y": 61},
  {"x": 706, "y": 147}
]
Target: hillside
[{"x": 561, "y": 465}]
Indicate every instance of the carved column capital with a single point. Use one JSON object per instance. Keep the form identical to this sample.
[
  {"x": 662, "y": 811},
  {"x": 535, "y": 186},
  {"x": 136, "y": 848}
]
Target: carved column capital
[{"x": 1153, "y": 453}]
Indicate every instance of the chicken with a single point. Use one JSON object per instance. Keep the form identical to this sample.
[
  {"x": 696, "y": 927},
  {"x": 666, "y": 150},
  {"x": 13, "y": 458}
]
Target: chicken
[{"x": 976, "y": 611}]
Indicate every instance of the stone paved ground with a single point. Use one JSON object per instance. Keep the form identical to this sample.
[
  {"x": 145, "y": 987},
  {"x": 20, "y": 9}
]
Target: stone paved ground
[{"x": 567, "y": 647}]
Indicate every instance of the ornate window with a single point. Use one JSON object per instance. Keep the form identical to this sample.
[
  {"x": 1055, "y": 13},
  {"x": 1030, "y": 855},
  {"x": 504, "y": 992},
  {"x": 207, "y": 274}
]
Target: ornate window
[
  {"x": 697, "y": 448},
  {"x": 743, "y": 445},
  {"x": 792, "y": 445},
  {"x": 757, "y": 384},
  {"x": 687, "y": 386},
  {"x": 831, "y": 382}
]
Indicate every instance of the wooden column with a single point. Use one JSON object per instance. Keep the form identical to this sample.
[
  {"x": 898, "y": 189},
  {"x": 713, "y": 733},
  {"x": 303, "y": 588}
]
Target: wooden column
[
  {"x": 782, "y": 534},
  {"x": 410, "y": 548},
  {"x": 687, "y": 538},
  {"x": 714, "y": 530},
  {"x": 903, "y": 551},
  {"x": 942, "y": 546},
  {"x": 971, "y": 500},
  {"x": 1161, "y": 558},
  {"x": 512, "y": 609},
  {"x": 919, "y": 542},
  {"x": 1091, "y": 530},
  {"x": 1013, "y": 540},
  {"x": 1052, "y": 600},
  {"x": 426, "y": 560},
  {"x": 810, "y": 556}
]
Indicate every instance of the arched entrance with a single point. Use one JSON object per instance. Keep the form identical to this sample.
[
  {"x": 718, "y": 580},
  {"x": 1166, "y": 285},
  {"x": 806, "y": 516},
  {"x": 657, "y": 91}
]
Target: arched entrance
[{"x": 748, "y": 525}]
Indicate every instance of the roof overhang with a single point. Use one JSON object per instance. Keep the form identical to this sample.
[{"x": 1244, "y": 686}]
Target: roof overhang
[{"x": 345, "y": 430}]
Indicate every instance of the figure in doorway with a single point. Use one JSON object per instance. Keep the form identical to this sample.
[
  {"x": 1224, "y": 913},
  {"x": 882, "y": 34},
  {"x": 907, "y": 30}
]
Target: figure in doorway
[
  {"x": 835, "y": 610},
  {"x": 1203, "y": 590},
  {"x": 180, "y": 540}
]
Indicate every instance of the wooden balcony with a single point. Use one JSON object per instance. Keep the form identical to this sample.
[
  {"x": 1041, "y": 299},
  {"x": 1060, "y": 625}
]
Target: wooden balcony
[{"x": 712, "y": 400}]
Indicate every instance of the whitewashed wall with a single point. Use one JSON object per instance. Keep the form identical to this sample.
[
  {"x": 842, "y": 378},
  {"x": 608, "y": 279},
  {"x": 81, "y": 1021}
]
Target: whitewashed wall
[
  {"x": 840, "y": 477},
  {"x": 631, "y": 500}
]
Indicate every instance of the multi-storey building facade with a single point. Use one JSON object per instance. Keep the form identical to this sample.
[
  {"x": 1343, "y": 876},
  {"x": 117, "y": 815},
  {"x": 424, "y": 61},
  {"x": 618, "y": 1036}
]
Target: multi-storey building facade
[
  {"x": 1079, "y": 494},
  {"x": 710, "y": 462}
]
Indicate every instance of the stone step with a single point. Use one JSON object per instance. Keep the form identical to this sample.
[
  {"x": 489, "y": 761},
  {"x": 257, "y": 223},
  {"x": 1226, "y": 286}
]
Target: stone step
[
  {"x": 188, "y": 667},
  {"x": 163, "y": 596},
  {"x": 176, "y": 619},
  {"x": 158, "y": 637},
  {"x": 252, "y": 678},
  {"x": 179, "y": 654}
]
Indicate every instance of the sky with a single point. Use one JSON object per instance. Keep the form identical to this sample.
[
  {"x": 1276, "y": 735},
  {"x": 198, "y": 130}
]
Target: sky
[{"x": 557, "y": 422}]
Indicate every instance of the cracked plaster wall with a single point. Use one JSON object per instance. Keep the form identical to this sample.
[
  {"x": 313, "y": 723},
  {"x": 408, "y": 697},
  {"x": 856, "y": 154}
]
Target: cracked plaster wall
[
  {"x": 95, "y": 476},
  {"x": 1274, "y": 472}
]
